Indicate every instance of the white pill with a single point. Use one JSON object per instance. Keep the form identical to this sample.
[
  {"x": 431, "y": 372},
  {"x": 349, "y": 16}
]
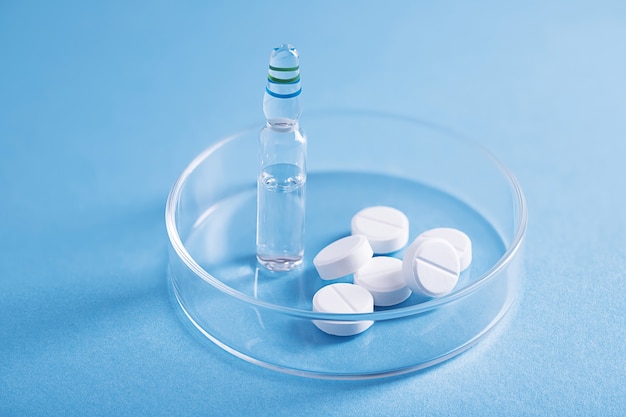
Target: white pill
[
  {"x": 343, "y": 257},
  {"x": 457, "y": 238},
  {"x": 431, "y": 267},
  {"x": 343, "y": 298},
  {"x": 383, "y": 278},
  {"x": 386, "y": 228}
]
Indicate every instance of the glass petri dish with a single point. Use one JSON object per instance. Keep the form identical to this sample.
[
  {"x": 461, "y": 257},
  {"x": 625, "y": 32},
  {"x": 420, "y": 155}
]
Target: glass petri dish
[{"x": 355, "y": 160}]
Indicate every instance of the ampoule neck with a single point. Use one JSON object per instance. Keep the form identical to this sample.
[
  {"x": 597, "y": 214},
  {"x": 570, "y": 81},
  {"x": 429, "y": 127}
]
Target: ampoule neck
[{"x": 282, "y": 124}]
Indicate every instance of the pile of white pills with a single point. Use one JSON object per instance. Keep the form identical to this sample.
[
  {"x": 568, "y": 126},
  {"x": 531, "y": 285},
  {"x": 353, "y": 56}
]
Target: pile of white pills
[{"x": 430, "y": 267}]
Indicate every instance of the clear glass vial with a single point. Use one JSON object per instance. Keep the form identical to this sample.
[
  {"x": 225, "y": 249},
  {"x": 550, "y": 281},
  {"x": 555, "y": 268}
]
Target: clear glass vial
[{"x": 282, "y": 167}]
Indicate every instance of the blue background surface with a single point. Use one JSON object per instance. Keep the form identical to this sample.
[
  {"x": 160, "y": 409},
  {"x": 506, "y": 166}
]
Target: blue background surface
[{"x": 103, "y": 105}]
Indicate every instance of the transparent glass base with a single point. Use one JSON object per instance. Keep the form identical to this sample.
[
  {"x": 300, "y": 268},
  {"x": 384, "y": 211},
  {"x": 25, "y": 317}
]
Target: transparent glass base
[
  {"x": 436, "y": 178},
  {"x": 279, "y": 264}
]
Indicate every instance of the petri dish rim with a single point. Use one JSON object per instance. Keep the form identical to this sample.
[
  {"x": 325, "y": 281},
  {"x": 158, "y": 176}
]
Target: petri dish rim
[{"x": 516, "y": 243}]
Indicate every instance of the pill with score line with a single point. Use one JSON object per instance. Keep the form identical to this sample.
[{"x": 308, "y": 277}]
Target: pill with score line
[
  {"x": 382, "y": 276},
  {"x": 386, "y": 228},
  {"x": 431, "y": 267},
  {"x": 343, "y": 298},
  {"x": 457, "y": 238}
]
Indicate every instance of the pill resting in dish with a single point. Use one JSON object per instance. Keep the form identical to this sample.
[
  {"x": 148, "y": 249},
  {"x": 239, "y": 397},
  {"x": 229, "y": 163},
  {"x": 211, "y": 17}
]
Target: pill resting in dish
[{"x": 430, "y": 267}]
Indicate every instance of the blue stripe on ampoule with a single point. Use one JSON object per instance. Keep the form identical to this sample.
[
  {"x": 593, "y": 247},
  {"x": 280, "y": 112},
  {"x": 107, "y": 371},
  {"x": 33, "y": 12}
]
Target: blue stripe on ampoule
[{"x": 277, "y": 95}]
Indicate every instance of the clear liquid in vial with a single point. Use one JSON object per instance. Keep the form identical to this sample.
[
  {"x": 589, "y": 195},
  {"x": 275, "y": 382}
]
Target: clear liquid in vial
[{"x": 280, "y": 221}]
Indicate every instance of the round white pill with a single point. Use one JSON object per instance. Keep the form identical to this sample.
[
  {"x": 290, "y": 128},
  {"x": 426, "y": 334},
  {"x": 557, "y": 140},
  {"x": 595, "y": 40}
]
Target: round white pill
[
  {"x": 343, "y": 298},
  {"x": 431, "y": 267},
  {"x": 457, "y": 238},
  {"x": 343, "y": 257},
  {"x": 386, "y": 228},
  {"x": 383, "y": 278}
]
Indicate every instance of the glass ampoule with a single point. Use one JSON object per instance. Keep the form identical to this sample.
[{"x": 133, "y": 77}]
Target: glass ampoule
[{"x": 282, "y": 166}]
